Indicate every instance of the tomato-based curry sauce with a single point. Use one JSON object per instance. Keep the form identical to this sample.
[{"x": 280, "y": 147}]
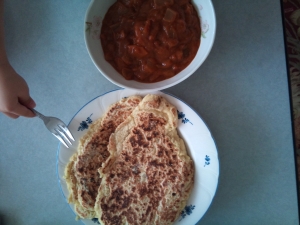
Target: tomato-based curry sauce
[{"x": 150, "y": 40}]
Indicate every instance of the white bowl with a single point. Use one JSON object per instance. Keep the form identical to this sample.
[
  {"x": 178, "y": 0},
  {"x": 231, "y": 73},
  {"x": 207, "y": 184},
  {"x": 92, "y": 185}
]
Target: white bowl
[{"x": 93, "y": 22}]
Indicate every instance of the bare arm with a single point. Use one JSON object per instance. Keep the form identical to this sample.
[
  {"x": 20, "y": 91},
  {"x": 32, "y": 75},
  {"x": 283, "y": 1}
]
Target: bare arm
[
  {"x": 14, "y": 92},
  {"x": 3, "y": 57}
]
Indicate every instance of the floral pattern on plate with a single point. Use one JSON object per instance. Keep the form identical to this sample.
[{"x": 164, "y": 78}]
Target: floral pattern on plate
[
  {"x": 85, "y": 123},
  {"x": 181, "y": 116},
  {"x": 204, "y": 24},
  {"x": 187, "y": 211},
  {"x": 94, "y": 27}
]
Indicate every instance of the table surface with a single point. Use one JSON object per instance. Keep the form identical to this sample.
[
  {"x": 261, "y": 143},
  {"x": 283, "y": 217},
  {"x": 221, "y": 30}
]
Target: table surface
[{"x": 241, "y": 92}]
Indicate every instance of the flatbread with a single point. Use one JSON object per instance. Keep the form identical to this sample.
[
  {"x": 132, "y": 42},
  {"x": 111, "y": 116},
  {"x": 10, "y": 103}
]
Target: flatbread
[
  {"x": 148, "y": 176},
  {"x": 81, "y": 173}
]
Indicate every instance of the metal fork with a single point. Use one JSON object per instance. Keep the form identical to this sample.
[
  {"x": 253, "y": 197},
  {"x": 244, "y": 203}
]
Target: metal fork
[{"x": 58, "y": 128}]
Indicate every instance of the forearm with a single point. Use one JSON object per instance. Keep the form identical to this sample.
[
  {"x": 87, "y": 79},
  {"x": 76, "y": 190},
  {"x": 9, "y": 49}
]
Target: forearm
[
  {"x": 3, "y": 57},
  {"x": 15, "y": 100}
]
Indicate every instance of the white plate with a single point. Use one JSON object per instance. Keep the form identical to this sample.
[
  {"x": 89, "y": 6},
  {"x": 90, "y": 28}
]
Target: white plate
[{"x": 200, "y": 145}]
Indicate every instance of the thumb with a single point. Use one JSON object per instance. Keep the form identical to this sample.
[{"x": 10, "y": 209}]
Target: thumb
[{"x": 28, "y": 102}]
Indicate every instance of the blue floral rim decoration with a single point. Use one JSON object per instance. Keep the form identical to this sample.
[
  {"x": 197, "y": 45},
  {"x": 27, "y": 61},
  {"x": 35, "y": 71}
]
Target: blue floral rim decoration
[
  {"x": 181, "y": 116},
  {"x": 95, "y": 220},
  {"x": 85, "y": 124},
  {"x": 207, "y": 160},
  {"x": 187, "y": 211}
]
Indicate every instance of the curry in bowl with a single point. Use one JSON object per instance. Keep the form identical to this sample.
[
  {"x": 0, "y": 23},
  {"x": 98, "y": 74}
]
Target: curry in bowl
[{"x": 150, "y": 40}]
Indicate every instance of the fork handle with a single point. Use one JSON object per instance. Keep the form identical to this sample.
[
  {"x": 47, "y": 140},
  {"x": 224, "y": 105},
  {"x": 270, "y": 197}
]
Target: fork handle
[{"x": 40, "y": 115}]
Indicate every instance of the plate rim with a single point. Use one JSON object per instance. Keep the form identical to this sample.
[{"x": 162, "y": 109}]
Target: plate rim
[{"x": 121, "y": 89}]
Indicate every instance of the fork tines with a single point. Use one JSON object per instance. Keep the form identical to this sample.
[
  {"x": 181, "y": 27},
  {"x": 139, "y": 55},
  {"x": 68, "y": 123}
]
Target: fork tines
[{"x": 63, "y": 134}]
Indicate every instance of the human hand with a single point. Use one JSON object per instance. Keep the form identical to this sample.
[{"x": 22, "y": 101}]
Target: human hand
[{"x": 14, "y": 93}]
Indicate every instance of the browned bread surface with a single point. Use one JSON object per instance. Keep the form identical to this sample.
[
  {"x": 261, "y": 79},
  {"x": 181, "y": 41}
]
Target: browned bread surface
[
  {"x": 81, "y": 173},
  {"x": 148, "y": 175}
]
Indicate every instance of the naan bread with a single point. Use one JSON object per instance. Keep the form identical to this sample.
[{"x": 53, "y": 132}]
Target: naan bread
[
  {"x": 148, "y": 175},
  {"x": 81, "y": 173}
]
